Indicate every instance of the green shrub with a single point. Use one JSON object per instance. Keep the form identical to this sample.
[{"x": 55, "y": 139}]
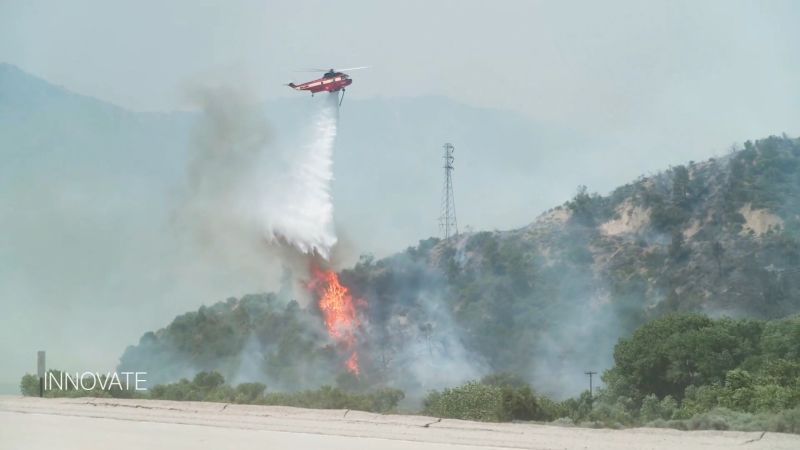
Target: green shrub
[
  {"x": 208, "y": 381},
  {"x": 249, "y": 392},
  {"x": 654, "y": 409},
  {"x": 787, "y": 421},
  {"x": 472, "y": 401},
  {"x": 29, "y": 385},
  {"x": 182, "y": 390},
  {"x": 552, "y": 410},
  {"x": 328, "y": 397},
  {"x": 211, "y": 387},
  {"x": 497, "y": 398},
  {"x": 385, "y": 400}
]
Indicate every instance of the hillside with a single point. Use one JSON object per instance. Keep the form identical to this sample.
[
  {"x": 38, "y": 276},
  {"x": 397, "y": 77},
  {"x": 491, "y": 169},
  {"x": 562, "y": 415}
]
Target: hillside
[{"x": 547, "y": 301}]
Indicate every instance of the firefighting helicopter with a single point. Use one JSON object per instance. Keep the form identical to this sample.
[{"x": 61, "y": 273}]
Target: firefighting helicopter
[{"x": 331, "y": 81}]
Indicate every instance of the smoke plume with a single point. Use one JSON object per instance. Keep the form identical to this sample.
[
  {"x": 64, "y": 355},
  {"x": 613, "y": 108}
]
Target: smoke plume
[{"x": 251, "y": 202}]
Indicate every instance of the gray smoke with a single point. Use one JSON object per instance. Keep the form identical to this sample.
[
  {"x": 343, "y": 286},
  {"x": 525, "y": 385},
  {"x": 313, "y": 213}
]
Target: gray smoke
[{"x": 252, "y": 205}]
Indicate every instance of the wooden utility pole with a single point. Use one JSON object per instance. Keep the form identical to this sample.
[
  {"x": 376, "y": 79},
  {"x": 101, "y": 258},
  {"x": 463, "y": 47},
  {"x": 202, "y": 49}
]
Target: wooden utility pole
[
  {"x": 41, "y": 370},
  {"x": 591, "y": 374}
]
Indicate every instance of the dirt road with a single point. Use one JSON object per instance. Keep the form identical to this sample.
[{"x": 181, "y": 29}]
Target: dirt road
[{"x": 33, "y": 423}]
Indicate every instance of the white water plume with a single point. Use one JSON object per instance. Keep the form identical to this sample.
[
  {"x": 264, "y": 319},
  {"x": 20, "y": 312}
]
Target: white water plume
[
  {"x": 249, "y": 183},
  {"x": 299, "y": 209}
]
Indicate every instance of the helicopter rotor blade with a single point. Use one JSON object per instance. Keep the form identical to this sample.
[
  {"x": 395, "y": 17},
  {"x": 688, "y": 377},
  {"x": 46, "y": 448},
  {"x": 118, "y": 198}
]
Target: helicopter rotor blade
[{"x": 353, "y": 68}]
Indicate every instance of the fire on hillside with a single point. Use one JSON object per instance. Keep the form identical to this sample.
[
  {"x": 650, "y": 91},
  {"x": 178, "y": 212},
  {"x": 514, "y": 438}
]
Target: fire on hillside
[{"x": 338, "y": 311}]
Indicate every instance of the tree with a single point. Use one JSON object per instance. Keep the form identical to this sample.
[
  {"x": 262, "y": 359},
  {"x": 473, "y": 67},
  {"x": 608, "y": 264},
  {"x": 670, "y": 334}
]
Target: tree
[
  {"x": 680, "y": 186},
  {"x": 581, "y": 206},
  {"x": 677, "y": 248},
  {"x": 717, "y": 251},
  {"x": 208, "y": 381},
  {"x": 665, "y": 356},
  {"x": 29, "y": 385},
  {"x": 782, "y": 338}
]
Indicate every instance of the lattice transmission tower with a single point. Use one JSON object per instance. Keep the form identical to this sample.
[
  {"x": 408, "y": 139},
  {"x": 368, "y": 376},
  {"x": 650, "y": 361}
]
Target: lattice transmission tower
[{"x": 448, "y": 225}]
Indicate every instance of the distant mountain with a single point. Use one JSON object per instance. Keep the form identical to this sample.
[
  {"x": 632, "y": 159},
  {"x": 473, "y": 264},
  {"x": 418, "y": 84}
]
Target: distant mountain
[
  {"x": 43, "y": 126},
  {"x": 547, "y": 301},
  {"x": 85, "y": 195}
]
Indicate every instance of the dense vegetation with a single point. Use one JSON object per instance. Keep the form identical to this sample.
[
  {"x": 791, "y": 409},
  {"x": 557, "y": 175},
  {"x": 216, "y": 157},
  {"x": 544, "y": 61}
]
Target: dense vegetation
[
  {"x": 259, "y": 336},
  {"x": 211, "y": 387},
  {"x": 684, "y": 371},
  {"x": 551, "y": 300},
  {"x": 496, "y": 398},
  {"x": 683, "y": 365}
]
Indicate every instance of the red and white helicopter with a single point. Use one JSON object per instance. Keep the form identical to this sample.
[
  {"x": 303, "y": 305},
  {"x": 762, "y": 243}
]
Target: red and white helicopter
[{"x": 331, "y": 81}]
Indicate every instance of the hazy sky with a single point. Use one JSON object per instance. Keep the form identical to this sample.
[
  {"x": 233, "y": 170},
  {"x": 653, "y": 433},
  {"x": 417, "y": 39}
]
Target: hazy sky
[
  {"x": 603, "y": 65},
  {"x": 691, "y": 77},
  {"x": 651, "y": 83}
]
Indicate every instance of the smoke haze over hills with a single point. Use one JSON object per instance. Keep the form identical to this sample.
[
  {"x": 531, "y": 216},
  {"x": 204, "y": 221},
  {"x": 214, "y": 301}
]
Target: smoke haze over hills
[
  {"x": 538, "y": 98},
  {"x": 87, "y": 181},
  {"x": 546, "y": 302}
]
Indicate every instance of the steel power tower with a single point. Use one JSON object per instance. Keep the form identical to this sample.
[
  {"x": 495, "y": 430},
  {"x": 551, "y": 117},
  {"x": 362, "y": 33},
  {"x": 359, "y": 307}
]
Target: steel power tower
[{"x": 447, "y": 220}]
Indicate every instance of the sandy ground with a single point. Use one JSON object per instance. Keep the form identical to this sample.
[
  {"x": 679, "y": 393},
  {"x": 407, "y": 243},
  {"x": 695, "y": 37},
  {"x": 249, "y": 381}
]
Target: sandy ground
[{"x": 33, "y": 423}]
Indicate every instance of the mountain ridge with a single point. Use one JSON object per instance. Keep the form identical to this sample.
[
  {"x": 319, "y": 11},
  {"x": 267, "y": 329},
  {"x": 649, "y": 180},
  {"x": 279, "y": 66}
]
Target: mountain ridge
[
  {"x": 551, "y": 299},
  {"x": 597, "y": 266}
]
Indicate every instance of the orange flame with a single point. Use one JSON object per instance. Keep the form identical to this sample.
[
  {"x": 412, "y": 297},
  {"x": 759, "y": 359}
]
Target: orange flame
[
  {"x": 338, "y": 311},
  {"x": 352, "y": 363}
]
